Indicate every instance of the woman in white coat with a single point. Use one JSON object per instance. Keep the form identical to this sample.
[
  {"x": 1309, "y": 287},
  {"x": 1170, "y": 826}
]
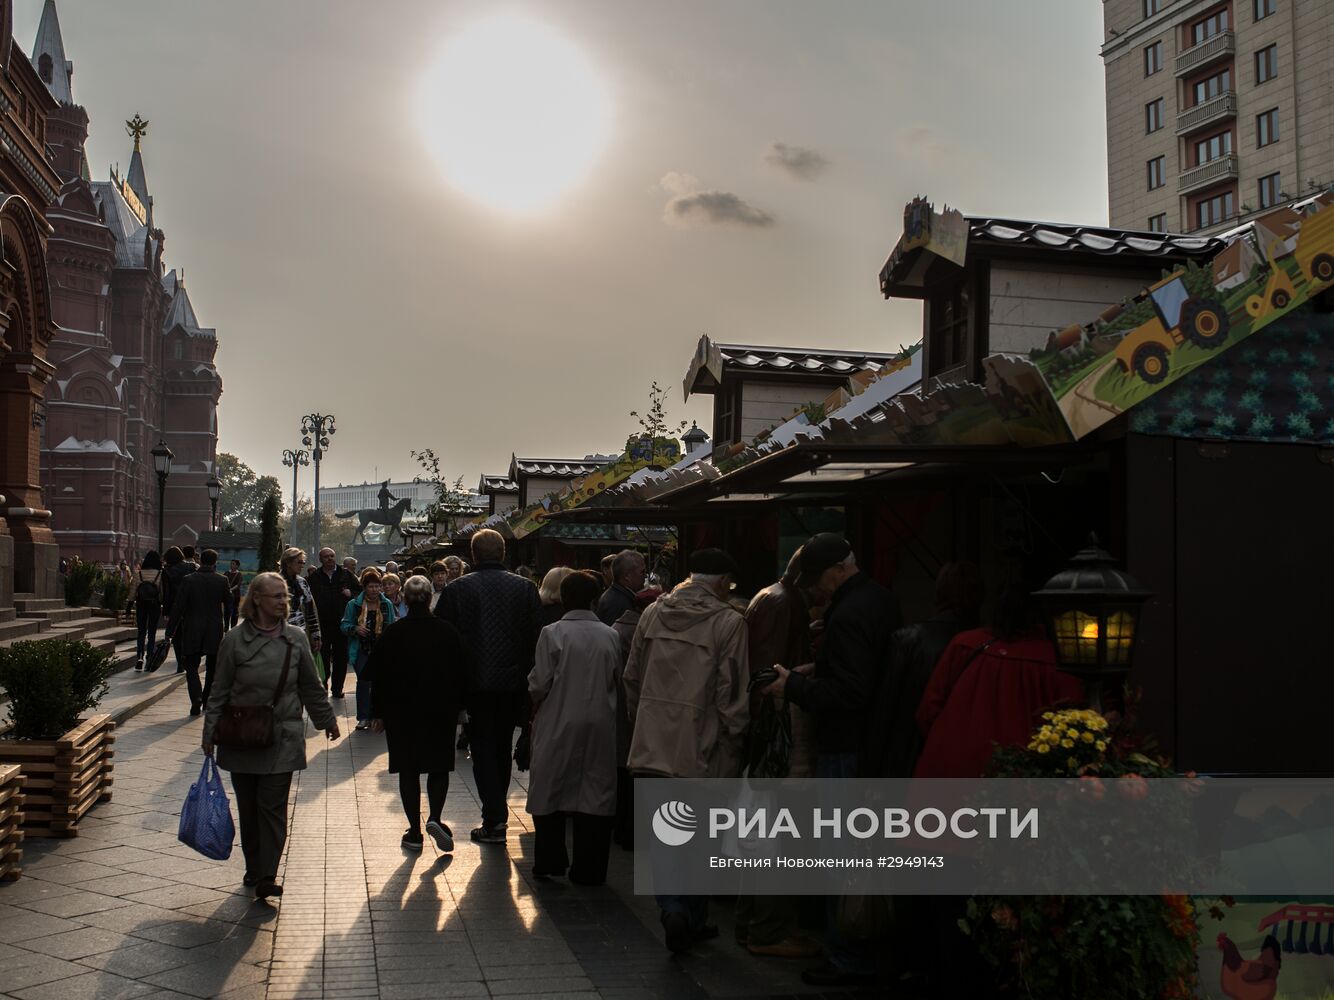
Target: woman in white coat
[{"x": 573, "y": 690}]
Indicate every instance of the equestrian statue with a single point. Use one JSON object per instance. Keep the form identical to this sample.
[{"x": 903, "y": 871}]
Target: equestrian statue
[{"x": 390, "y": 517}]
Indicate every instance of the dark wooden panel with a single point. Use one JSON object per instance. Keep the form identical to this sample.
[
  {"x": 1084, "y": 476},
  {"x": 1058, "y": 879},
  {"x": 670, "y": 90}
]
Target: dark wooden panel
[{"x": 1254, "y": 594}]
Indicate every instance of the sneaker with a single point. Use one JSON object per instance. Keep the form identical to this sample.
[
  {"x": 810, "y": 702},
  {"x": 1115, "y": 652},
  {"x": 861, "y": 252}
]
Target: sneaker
[
  {"x": 412, "y": 841},
  {"x": 363, "y": 725},
  {"x": 489, "y": 834},
  {"x": 139, "y": 664},
  {"x": 441, "y": 834}
]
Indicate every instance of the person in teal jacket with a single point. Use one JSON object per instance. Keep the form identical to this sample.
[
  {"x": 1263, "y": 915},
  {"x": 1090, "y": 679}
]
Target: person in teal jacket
[{"x": 366, "y": 617}]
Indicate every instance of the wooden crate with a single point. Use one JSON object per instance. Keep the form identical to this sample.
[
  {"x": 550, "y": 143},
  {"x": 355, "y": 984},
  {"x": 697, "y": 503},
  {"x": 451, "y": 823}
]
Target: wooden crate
[
  {"x": 64, "y": 778},
  {"x": 11, "y": 821}
]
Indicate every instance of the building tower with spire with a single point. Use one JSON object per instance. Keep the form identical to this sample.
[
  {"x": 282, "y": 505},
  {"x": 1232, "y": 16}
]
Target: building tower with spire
[{"x": 119, "y": 387}]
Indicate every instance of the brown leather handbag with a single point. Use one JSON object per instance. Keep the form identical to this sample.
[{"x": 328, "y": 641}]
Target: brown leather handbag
[{"x": 251, "y": 727}]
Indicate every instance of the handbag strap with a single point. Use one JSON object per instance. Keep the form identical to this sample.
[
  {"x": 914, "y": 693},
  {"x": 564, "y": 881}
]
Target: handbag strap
[{"x": 287, "y": 665}]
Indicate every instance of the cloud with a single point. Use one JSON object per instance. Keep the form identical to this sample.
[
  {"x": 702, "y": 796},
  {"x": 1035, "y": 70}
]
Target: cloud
[
  {"x": 797, "y": 162},
  {"x": 690, "y": 206}
]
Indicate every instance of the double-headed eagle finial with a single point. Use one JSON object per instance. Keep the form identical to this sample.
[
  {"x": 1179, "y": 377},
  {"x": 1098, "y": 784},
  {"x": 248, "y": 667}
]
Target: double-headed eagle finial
[{"x": 136, "y": 127}]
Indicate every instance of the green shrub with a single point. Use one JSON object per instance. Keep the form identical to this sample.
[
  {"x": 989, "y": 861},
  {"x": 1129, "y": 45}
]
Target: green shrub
[
  {"x": 115, "y": 592},
  {"x": 51, "y": 682},
  {"x": 80, "y": 582}
]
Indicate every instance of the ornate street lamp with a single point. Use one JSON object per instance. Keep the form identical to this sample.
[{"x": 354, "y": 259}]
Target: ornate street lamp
[
  {"x": 162, "y": 457},
  {"x": 214, "y": 491},
  {"x": 294, "y": 460},
  {"x": 1092, "y": 611},
  {"x": 316, "y": 429}
]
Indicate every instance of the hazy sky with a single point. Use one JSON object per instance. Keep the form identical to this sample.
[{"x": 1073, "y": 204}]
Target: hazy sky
[{"x": 291, "y": 172}]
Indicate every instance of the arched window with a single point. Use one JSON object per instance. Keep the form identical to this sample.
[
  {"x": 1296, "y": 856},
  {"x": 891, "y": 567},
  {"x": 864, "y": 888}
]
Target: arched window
[{"x": 44, "y": 68}]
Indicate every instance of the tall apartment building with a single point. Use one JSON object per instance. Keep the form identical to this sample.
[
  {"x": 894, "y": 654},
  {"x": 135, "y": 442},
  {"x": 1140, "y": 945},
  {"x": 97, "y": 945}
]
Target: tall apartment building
[{"x": 1216, "y": 111}]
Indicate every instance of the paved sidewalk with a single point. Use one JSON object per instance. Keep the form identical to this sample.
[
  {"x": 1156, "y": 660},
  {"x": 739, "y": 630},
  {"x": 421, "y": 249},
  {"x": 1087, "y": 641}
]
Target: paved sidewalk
[{"x": 124, "y": 910}]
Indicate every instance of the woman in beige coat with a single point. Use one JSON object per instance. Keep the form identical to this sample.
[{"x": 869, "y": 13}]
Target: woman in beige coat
[
  {"x": 250, "y": 668},
  {"x": 573, "y": 690}
]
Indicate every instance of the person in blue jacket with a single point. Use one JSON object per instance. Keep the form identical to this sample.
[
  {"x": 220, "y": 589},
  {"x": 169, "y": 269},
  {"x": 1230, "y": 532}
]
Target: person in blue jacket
[{"x": 364, "y": 620}]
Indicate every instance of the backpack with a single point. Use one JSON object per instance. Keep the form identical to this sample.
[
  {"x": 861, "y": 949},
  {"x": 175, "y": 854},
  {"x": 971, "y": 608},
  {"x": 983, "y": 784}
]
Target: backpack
[{"x": 147, "y": 592}]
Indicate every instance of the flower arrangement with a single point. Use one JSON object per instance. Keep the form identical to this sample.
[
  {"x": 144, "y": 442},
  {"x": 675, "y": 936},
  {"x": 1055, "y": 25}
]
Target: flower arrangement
[{"x": 1092, "y": 947}]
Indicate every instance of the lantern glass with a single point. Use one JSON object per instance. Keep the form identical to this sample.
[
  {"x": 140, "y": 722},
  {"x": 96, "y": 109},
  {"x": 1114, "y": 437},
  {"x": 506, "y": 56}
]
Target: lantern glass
[
  {"x": 162, "y": 457},
  {"x": 214, "y": 488}
]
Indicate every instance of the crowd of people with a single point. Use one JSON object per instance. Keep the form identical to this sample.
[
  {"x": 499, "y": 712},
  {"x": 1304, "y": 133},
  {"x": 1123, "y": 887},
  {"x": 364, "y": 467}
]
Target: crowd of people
[{"x": 606, "y": 678}]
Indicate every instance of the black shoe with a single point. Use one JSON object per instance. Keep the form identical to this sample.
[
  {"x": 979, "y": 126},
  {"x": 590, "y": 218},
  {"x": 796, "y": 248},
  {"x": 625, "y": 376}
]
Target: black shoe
[
  {"x": 676, "y": 926},
  {"x": 268, "y": 887},
  {"x": 441, "y": 834},
  {"x": 412, "y": 841},
  {"x": 195, "y": 710},
  {"x": 249, "y": 881},
  {"x": 337, "y": 694},
  {"x": 139, "y": 663},
  {"x": 489, "y": 834},
  {"x": 828, "y": 974}
]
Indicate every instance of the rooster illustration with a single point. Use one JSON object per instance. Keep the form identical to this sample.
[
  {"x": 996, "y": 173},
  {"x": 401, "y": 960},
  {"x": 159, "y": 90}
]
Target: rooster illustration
[{"x": 1250, "y": 980}]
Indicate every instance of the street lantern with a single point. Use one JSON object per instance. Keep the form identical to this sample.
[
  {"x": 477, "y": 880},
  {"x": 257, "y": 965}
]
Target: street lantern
[
  {"x": 316, "y": 429},
  {"x": 1092, "y": 611},
  {"x": 294, "y": 460},
  {"x": 162, "y": 457},
  {"x": 214, "y": 491}
]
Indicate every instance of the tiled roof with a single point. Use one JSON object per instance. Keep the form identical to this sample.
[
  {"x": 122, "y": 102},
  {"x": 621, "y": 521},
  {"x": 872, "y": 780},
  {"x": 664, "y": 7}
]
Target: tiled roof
[
  {"x": 560, "y": 466},
  {"x": 713, "y": 361},
  {"x": 497, "y": 484},
  {"x": 903, "y": 266}
]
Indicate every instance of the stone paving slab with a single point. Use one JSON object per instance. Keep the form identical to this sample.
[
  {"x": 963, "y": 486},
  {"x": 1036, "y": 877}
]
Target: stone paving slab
[{"x": 124, "y": 910}]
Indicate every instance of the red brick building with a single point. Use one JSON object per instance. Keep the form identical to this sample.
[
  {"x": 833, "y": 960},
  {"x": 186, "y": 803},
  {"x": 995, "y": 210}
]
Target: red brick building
[
  {"x": 133, "y": 365},
  {"x": 28, "y": 182}
]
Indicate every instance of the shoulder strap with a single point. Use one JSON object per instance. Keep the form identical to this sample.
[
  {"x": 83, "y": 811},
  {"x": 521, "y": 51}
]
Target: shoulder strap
[{"x": 287, "y": 665}]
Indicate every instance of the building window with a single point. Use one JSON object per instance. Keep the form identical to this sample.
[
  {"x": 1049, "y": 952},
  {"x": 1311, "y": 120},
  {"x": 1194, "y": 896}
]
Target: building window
[
  {"x": 1158, "y": 223},
  {"x": 1266, "y": 127},
  {"x": 1157, "y": 172},
  {"x": 949, "y": 330},
  {"x": 1212, "y": 86},
  {"x": 1153, "y": 58},
  {"x": 1213, "y": 148},
  {"x": 1206, "y": 27},
  {"x": 1212, "y": 211},
  {"x": 180, "y": 351},
  {"x": 1263, "y": 8},
  {"x": 1153, "y": 115},
  {"x": 44, "y": 68},
  {"x": 1266, "y": 64},
  {"x": 1152, "y": 7},
  {"x": 1271, "y": 187}
]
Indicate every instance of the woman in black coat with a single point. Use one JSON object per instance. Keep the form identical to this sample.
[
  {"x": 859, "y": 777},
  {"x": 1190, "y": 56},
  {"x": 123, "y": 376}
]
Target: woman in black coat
[{"x": 420, "y": 672}]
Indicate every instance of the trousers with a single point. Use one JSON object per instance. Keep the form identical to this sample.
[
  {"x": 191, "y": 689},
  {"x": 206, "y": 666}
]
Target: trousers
[
  {"x": 592, "y": 844},
  {"x": 261, "y": 808},
  {"x": 145, "y": 620},
  {"x": 334, "y": 649},
  {"x": 190, "y": 664},
  {"x": 492, "y": 719}
]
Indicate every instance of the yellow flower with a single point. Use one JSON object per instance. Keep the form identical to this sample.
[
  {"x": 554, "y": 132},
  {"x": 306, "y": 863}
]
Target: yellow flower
[
  {"x": 1087, "y": 737},
  {"x": 1044, "y": 748},
  {"x": 1048, "y": 716},
  {"x": 1067, "y": 743},
  {"x": 1072, "y": 733},
  {"x": 1102, "y": 744},
  {"x": 1070, "y": 762}
]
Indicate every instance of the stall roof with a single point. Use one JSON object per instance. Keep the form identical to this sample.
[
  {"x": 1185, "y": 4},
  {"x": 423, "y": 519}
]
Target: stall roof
[
  {"x": 497, "y": 484},
  {"x": 558, "y": 466},
  {"x": 714, "y": 361}
]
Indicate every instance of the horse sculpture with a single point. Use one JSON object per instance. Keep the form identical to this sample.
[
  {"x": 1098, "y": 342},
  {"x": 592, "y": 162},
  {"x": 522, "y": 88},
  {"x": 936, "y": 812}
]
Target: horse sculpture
[{"x": 391, "y": 519}]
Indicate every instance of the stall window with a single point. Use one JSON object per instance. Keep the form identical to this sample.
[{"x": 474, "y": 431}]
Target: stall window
[{"x": 949, "y": 330}]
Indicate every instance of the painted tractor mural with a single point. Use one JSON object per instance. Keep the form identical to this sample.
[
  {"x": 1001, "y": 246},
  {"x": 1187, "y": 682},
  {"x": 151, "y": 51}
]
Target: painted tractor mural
[{"x": 1178, "y": 317}]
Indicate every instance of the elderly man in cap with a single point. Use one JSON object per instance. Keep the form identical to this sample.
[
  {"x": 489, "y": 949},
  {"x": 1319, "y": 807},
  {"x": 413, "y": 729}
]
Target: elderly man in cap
[
  {"x": 839, "y": 691},
  {"x": 685, "y": 693}
]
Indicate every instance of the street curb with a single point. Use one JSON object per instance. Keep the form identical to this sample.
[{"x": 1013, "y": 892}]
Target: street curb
[{"x": 127, "y": 712}]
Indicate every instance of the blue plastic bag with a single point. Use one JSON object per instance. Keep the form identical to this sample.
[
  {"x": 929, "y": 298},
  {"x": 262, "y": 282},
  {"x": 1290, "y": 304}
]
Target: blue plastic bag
[{"x": 206, "y": 817}]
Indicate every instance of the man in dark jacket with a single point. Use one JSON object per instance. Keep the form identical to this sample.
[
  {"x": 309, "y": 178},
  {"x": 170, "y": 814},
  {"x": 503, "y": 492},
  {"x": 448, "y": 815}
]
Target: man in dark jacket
[
  {"x": 839, "y": 691},
  {"x": 201, "y": 611},
  {"x": 332, "y": 587},
  {"x": 497, "y": 614},
  {"x": 627, "y": 575},
  {"x": 177, "y": 568}
]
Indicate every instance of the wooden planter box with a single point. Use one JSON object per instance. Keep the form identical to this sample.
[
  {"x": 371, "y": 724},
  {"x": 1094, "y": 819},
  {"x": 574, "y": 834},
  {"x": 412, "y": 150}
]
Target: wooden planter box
[
  {"x": 63, "y": 778},
  {"x": 11, "y": 821}
]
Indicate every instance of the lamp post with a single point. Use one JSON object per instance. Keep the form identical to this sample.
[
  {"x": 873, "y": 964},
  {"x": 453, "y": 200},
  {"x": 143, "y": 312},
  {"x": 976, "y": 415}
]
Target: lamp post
[
  {"x": 293, "y": 460},
  {"x": 1092, "y": 611},
  {"x": 214, "y": 491},
  {"x": 316, "y": 429},
  {"x": 162, "y": 457}
]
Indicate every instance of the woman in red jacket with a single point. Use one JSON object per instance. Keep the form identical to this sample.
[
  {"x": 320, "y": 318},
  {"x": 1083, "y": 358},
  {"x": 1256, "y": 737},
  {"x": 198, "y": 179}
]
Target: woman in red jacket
[{"x": 989, "y": 687}]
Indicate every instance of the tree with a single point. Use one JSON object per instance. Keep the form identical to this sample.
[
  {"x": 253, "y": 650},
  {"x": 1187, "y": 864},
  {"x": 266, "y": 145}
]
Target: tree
[
  {"x": 270, "y": 548},
  {"x": 337, "y": 533},
  {"x": 241, "y": 501},
  {"x": 657, "y": 436},
  {"x": 450, "y": 498}
]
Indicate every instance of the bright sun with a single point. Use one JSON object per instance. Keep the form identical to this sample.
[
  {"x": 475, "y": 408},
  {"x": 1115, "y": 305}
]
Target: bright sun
[{"x": 514, "y": 113}]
